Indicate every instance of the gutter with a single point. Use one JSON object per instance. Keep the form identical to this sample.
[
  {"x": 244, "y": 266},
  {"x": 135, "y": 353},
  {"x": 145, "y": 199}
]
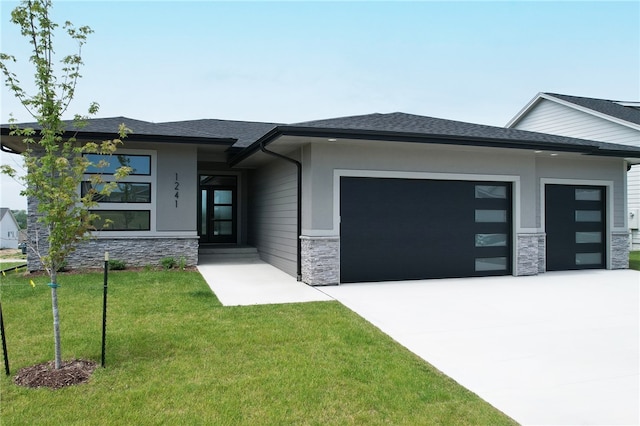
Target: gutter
[{"x": 299, "y": 207}]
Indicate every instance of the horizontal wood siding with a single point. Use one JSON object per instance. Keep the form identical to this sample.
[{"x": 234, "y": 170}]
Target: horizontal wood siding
[{"x": 273, "y": 212}]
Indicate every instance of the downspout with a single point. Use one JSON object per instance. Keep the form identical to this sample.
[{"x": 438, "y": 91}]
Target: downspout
[{"x": 299, "y": 214}]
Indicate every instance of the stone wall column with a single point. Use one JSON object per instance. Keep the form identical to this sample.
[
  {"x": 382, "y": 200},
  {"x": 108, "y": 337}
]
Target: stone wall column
[
  {"x": 529, "y": 254},
  {"x": 320, "y": 260},
  {"x": 619, "y": 250}
]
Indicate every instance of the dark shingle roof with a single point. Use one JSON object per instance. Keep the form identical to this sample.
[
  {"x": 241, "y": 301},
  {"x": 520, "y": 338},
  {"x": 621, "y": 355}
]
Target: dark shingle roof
[
  {"x": 609, "y": 107},
  {"x": 395, "y": 126},
  {"x": 398, "y": 122},
  {"x": 246, "y": 132}
]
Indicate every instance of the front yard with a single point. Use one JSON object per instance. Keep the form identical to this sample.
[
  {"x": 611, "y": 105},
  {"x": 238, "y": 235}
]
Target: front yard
[{"x": 176, "y": 356}]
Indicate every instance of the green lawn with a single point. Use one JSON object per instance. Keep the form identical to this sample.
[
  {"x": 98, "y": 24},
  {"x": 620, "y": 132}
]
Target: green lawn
[
  {"x": 634, "y": 260},
  {"x": 176, "y": 356}
]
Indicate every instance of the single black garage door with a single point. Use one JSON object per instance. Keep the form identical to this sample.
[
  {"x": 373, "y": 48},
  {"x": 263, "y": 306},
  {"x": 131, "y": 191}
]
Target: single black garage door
[
  {"x": 402, "y": 229},
  {"x": 575, "y": 225}
]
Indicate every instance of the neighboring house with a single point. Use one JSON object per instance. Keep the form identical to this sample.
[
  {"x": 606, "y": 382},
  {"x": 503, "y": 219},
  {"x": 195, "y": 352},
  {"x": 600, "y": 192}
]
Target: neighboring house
[
  {"x": 365, "y": 198},
  {"x": 589, "y": 118},
  {"x": 9, "y": 230}
]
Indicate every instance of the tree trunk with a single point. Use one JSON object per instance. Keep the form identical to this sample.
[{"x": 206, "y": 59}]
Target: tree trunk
[{"x": 56, "y": 317}]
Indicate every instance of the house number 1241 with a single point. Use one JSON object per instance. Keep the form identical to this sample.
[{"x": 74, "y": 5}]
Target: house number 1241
[{"x": 177, "y": 188}]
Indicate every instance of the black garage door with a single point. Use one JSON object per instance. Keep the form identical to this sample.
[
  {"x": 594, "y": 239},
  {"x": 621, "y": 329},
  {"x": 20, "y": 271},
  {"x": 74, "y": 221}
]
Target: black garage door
[
  {"x": 575, "y": 226},
  {"x": 402, "y": 229}
]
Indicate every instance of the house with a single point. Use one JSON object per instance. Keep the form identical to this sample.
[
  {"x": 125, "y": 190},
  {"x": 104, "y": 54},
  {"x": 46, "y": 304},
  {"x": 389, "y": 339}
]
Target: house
[
  {"x": 588, "y": 118},
  {"x": 364, "y": 198},
  {"x": 9, "y": 230}
]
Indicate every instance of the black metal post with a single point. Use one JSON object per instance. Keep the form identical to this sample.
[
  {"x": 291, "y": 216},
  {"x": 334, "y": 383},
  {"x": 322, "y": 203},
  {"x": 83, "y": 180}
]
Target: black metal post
[
  {"x": 104, "y": 306},
  {"x": 4, "y": 344}
]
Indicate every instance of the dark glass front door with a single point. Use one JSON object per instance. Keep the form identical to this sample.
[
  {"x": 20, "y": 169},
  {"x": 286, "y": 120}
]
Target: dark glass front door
[{"x": 217, "y": 212}]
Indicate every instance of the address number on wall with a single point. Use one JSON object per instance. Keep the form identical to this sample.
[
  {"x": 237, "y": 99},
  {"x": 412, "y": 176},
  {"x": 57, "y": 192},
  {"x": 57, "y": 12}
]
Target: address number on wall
[{"x": 177, "y": 189}]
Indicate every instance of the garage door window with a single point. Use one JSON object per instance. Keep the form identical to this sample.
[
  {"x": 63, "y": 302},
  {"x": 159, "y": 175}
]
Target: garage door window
[
  {"x": 491, "y": 216},
  {"x": 491, "y": 191},
  {"x": 491, "y": 264},
  {"x": 491, "y": 240}
]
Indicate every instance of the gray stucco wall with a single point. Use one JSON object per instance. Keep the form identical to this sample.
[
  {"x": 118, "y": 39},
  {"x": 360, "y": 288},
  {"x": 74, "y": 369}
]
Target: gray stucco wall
[{"x": 181, "y": 162}]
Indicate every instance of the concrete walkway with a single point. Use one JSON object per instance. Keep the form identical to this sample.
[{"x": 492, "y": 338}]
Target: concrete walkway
[
  {"x": 256, "y": 283},
  {"x": 560, "y": 348}
]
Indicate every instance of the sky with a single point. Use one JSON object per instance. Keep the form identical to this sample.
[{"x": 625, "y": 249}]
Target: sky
[{"x": 294, "y": 61}]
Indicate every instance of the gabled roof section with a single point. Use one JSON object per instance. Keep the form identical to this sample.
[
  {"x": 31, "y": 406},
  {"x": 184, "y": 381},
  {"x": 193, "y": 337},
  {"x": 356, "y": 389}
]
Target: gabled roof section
[{"x": 626, "y": 113}]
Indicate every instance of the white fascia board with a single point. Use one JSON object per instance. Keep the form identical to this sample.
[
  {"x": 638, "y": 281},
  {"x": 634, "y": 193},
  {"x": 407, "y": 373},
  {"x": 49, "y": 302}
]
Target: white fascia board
[{"x": 524, "y": 111}]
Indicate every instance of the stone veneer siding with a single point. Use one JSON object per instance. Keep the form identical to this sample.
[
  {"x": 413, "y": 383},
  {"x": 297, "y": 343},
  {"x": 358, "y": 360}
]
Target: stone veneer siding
[
  {"x": 320, "y": 260},
  {"x": 619, "y": 250},
  {"x": 529, "y": 257},
  {"x": 542, "y": 253},
  {"x": 133, "y": 251}
]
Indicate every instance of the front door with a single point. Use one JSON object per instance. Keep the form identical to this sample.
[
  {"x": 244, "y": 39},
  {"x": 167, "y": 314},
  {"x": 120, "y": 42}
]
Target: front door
[
  {"x": 217, "y": 212},
  {"x": 575, "y": 226}
]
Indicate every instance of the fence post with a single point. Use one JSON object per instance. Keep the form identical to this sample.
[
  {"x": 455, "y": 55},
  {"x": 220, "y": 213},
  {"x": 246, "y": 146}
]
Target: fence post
[{"x": 104, "y": 305}]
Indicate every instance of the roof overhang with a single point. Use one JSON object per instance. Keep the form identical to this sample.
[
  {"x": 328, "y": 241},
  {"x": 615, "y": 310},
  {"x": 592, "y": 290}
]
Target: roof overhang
[
  {"x": 289, "y": 137},
  {"x": 14, "y": 144}
]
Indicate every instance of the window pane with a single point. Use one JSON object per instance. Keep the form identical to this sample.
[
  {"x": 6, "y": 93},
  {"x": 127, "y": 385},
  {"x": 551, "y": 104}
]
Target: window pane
[
  {"x": 222, "y": 197},
  {"x": 588, "y": 237},
  {"x": 123, "y": 220},
  {"x": 491, "y": 240},
  {"x": 222, "y": 213},
  {"x": 124, "y": 192},
  {"x": 491, "y": 191},
  {"x": 588, "y": 216},
  {"x": 588, "y": 258},
  {"x": 222, "y": 228},
  {"x": 491, "y": 264},
  {"x": 140, "y": 164},
  {"x": 203, "y": 212},
  {"x": 583, "y": 194},
  {"x": 491, "y": 216}
]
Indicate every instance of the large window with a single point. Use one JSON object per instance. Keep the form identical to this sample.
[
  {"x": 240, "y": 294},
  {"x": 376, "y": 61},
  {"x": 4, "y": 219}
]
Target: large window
[
  {"x": 123, "y": 220},
  {"x": 140, "y": 164},
  {"x": 130, "y": 205},
  {"x": 124, "y": 192}
]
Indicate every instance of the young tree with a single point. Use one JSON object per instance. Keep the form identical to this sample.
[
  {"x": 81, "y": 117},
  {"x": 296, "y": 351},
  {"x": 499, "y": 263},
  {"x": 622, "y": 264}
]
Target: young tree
[{"x": 55, "y": 163}]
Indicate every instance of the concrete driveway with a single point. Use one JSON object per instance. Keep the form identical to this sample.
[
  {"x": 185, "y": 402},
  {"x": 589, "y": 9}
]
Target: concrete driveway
[{"x": 560, "y": 348}]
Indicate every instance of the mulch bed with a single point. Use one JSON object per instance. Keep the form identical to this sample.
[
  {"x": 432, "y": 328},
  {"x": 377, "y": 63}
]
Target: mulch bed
[{"x": 70, "y": 373}]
